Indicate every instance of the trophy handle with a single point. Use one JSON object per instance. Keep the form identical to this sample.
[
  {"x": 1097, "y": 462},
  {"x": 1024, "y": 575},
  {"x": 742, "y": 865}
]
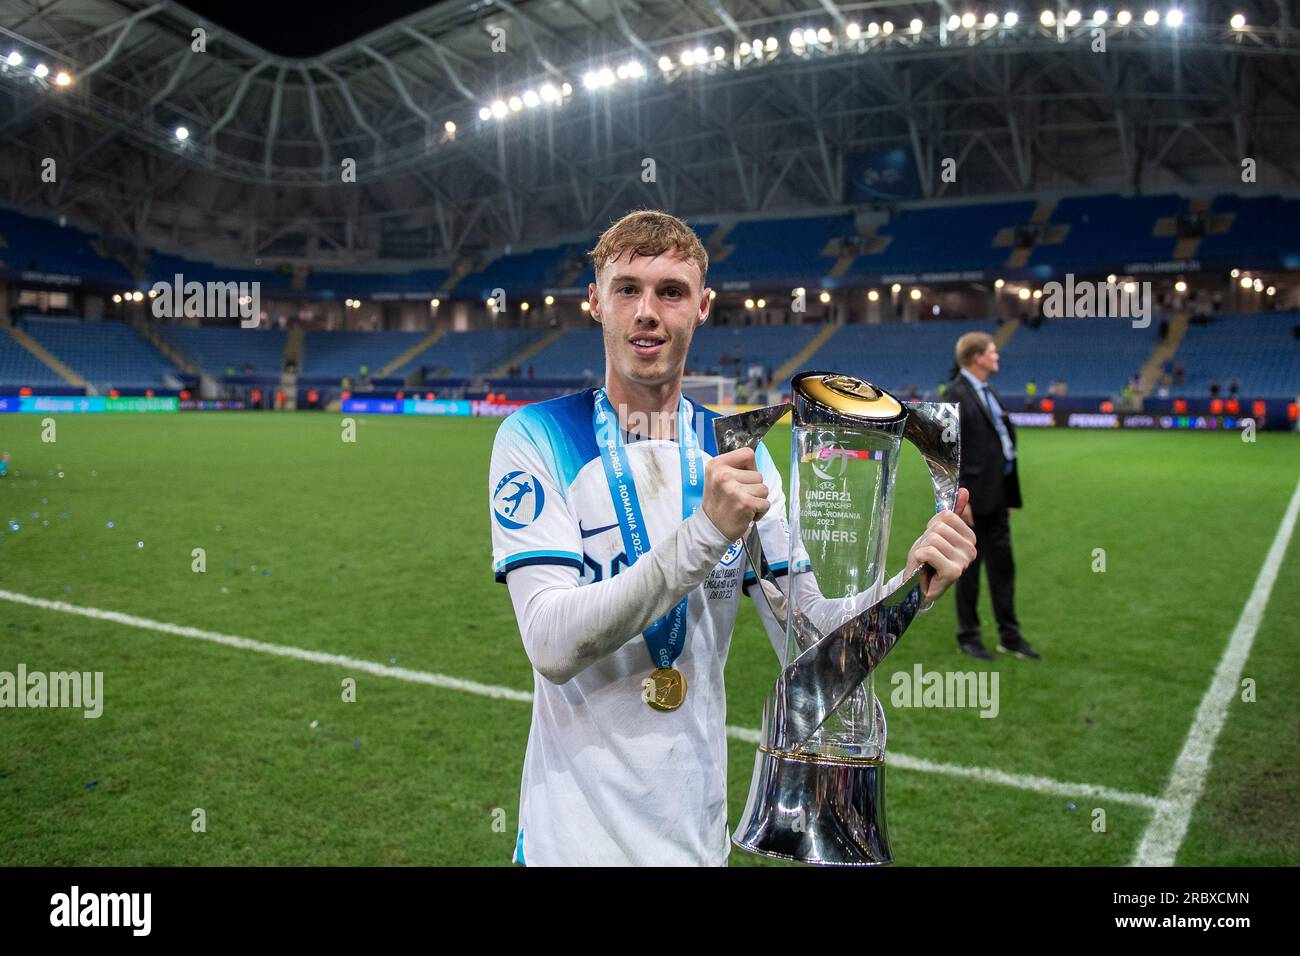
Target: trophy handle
[
  {"x": 746, "y": 430},
  {"x": 935, "y": 429}
]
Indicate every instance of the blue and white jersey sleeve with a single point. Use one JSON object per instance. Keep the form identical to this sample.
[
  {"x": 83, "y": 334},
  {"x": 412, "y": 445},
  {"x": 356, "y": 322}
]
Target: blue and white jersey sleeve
[{"x": 531, "y": 520}]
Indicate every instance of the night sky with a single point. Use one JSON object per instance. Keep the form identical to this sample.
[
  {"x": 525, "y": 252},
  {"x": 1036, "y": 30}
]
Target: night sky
[{"x": 296, "y": 28}]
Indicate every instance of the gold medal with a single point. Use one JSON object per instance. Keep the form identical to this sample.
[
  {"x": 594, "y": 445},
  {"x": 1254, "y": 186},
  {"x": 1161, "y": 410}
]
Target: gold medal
[{"x": 669, "y": 688}]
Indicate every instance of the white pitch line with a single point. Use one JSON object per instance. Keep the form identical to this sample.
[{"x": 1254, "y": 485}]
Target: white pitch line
[
  {"x": 1167, "y": 829},
  {"x": 980, "y": 774}
]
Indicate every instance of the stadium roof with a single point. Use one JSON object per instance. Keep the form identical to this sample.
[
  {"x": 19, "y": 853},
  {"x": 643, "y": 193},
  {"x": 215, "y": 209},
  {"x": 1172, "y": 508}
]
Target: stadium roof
[{"x": 554, "y": 124}]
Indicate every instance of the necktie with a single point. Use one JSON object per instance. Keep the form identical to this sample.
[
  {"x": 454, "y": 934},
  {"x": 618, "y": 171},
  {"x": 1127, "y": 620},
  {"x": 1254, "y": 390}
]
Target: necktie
[{"x": 1008, "y": 450}]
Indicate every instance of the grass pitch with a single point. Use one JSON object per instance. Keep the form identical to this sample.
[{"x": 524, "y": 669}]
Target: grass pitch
[{"x": 379, "y": 551}]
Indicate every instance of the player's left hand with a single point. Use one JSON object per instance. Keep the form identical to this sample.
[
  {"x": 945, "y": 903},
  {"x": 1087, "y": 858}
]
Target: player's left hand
[{"x": 945, "y": 550}]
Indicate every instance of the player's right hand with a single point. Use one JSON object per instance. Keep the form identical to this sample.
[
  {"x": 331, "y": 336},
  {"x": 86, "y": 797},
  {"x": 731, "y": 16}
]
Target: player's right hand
[{"x": 734, "y": 493}]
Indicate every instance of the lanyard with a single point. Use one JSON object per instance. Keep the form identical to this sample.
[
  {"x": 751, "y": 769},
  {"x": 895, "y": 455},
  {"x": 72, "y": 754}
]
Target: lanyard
[{"x": 666, "y": 636}]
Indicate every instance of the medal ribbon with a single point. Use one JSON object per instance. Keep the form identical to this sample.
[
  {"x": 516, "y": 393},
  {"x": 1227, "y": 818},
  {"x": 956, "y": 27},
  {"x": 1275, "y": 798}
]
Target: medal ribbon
[{"x": 666, "y": 637}]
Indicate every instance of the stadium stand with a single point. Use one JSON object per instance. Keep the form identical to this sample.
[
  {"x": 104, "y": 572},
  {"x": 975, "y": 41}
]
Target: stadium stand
[
  {"x": 1260, "y": 351},
  {"x": 779, "y": 251},
  {"x": 950, "y": 238},
  {"x": 106, "y": 354},
  {"x": 29, "y": 244},
  {"x": 20, "y": 367},
  {"x": 218, "y": 348},
  {"x": 1091, "y": 356},
  {"x": 471, "y": 353},
  {"x": 336, "y": 354},
  {"x": 1106, "y": 230},
  {"x": 897, "y": 355}
]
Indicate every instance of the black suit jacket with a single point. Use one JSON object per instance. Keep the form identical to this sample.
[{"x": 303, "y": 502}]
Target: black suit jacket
[{"x": 983, "y": 465}]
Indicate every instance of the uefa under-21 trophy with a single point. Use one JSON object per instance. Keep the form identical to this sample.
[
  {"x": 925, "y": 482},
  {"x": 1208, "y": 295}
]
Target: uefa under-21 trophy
[{"x": 818, "y": 790}]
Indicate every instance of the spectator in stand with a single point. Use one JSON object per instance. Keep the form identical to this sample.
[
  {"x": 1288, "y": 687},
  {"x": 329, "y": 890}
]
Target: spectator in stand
[
  {"x": 1234, "y": 387},
  {"x": 1214, "y": 390},
  {"x": 1180, "y": 374}
]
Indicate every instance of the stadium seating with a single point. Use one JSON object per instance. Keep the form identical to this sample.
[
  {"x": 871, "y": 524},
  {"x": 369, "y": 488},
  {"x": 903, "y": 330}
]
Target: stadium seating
[
  {"x": 944, "y": 239},
  {"x": 1107, "y": 231},
  {"x": 30, "y": 244},
  {"x": 336, "y": 354},
  {"x": 1092, "y": 356},
  {"x": 779, "y": 251},
  {"x": 217, "y": 348},
  {"x": 765, "y": 345},
  {"x": 20, "y": 367},
  {"x": 896, "y": 355},
  {"x": 471, "y": 353},
  {"x": 1260, "y": 351},
  {"x": 106, "y": 354}
]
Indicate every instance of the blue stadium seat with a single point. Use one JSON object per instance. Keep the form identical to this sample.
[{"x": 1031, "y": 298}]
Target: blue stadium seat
[
  {"x": 219, "y": 347},
  {"x": 1260, "y": 351},
  {"x": 106, "y": 354},
  {"x": 336, "y": 354},
  {"x": 472, "y": 353}
]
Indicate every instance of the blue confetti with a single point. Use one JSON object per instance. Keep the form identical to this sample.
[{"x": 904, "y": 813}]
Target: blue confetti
[
  {"x": 110, "y": 524},
  {"x": 266, "y": 572},
  {"x": 92, "y": 785},
  {"x": 356, "y": 744},
  {"x": 1069, "y": 806},
  {"x": 45, "y": 501},
  {"x": 392, "y": 660},
  {"x": 68, "y": 588},
  {"x": 139, "y": 544}
]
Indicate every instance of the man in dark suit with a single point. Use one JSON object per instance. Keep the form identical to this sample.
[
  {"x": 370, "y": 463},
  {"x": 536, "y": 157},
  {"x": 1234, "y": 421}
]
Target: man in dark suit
[{"x": 989, "y": 469}]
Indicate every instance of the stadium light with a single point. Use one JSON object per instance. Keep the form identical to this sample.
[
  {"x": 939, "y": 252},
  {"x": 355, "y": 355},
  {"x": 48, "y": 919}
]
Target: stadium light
[
  {"x": 549, "y": 300},
  {"x": 873, "y": 29},
  {"x": 1151, "y": 18},
  {"x": 935, "y": 310},
  {"x": 915, "y": 294},
  {"x": 1112, "y": 279},
  {"x": 62, "y": 78},
  {"x": 566, "y": 89},
  {"x": 585, "y": 306},
  {"x": 954, "y": 21},
  {"x": 182, "y": 133},
  {"x": 1180, "y": 286},
  {"x": 41, "y": 70},
  {"x": 1129, "y": 287},
  {"x": 1238, "y": 22},
  {"x": 515, "y": 104},
  {"x": 749, "y": 303},
  {"x": 1123, "y": 18},
  {"x": 524, "y": 306},
  {"x": 687, "y": 57},
  {"x": 873, "y": 295},
  {"x": 771, "y": 46},
  {"x": 1245, "y": 282},
  {"x": 117, "y": 298},
  {"x": 796, "y": 39},
  {"x": 719, "y": 53},
  {"x": 16, "y": 59},
  {"x": 999, "y": 283},
  {"x": 990, "y": 20},
  {"x": 1174, "y": 18},
  {"x": 887, "y": 27},
  {"x": 1100, "y": 17},
  {"x": 548, "y": 93},
  {"x": 484, "y": 114},
  {"x": 531, "y": 99},
  {"x": 435, "y": 302},
  {"x": 713, "y": 294},
  {"x": 1072, "y": 18},
  {"x": 853, "y": 31},
  {"x": 968, "y": 20},
  {"x": 1271, "y": 290},
  {"x": 665, "y": 63},
  {"x": 1047, "y": 18},
  {"x": 761, "y": 303},
  {"x": 823, "y": 35},
  {"x": 1023, "y": 293},
  {"x": 824, "y": 298},
  {"x": 1259, "y": 286},
  {"x": 916, "y": 26},
  {"x": 895, "y": 288},
  {"x": 450, "y": 127},
  {"x": 1038, "y": 293},
  {"x": 809, "y": 36},
  {"x": 744, "y": 48},
  {"x": 1011, "y": 19},
  {"x": 499, "y": 108},
  {"x": 153, "y": 293},
  {"x": 1235, "y": 273}
]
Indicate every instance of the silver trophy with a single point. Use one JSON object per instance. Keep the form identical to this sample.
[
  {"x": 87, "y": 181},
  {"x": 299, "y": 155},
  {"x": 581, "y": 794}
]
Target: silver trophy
[{"x": 818, "y": 790}]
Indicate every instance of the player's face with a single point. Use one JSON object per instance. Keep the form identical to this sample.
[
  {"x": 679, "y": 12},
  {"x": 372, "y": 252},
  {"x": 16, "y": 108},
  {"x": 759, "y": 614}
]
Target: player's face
[{"x": 648, "y": 309}]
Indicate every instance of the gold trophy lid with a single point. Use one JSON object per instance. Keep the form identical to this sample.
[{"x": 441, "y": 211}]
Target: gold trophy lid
[{"x": 834, "y": 396}]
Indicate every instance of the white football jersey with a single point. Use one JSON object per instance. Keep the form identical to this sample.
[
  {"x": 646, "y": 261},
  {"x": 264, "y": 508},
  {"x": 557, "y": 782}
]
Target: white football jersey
[{"x": 608, "y": 780}]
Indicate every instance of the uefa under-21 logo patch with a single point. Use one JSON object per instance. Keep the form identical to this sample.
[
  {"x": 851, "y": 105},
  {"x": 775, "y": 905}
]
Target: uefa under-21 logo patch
[
  {"x": 732, "y": 553},
  {"x": 518, "y": 500}
]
